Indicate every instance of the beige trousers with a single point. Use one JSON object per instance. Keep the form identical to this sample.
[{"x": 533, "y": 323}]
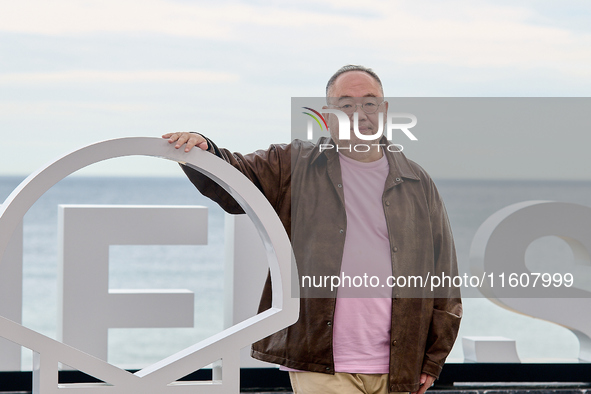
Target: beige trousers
[{"x": 339, "y": 383}]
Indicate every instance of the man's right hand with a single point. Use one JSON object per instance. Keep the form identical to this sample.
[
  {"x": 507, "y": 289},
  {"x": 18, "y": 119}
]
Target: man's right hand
[{"x": 188, "y": 139}]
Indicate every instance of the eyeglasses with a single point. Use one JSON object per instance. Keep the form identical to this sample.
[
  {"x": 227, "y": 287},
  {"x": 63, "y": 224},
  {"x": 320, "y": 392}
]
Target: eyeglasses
[{"x": 369, "y": 106}]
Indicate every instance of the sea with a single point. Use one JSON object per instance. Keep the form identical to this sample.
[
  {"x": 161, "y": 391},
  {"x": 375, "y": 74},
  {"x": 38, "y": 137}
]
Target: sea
[{"x": 201, "y": 268}]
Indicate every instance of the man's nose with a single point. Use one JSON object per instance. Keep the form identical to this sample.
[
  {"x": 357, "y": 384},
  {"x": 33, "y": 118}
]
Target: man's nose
[{"x": 361, "y": 112}]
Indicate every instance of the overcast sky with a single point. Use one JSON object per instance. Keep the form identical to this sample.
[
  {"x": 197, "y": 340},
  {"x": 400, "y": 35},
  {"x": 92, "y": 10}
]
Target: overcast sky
[{"x": 73, "y": 72}]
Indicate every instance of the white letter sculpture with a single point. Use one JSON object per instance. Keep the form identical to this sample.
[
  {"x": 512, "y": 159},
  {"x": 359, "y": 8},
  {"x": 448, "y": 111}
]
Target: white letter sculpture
[
  {"x": 162, "y": 377},
  {"x": 499, "y": 247}
]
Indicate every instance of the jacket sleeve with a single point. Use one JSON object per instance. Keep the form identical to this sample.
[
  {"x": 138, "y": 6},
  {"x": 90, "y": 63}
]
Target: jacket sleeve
[
  {"x": 447, "y": 307},
  {"x": 268, "y": 169}
]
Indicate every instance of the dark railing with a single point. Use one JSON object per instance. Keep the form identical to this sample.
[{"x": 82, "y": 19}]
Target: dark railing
[{"x": 463, "y": 377}]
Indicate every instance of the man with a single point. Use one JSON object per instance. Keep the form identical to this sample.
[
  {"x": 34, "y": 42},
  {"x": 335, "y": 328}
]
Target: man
[{"x": 348, "y": 211}]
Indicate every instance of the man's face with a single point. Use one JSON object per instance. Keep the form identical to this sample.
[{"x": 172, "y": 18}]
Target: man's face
[{"x": 352, "y": 88}]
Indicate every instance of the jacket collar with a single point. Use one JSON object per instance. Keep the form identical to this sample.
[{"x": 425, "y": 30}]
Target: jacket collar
[{"x": 400, "y": 166}]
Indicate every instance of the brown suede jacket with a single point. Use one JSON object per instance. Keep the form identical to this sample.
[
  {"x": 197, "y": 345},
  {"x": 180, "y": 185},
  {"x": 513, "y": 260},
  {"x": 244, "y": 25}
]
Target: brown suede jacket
[{"x": 305, "y": 188}]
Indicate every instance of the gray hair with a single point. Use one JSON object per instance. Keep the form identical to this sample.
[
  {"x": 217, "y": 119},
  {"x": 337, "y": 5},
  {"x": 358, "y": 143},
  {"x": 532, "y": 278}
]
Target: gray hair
[{"x": 352, "y": 67}]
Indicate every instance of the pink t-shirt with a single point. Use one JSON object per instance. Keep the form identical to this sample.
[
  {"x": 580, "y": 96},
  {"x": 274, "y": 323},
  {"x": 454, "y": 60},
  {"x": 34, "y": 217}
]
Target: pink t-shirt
[{"x": 363, "y": 315}]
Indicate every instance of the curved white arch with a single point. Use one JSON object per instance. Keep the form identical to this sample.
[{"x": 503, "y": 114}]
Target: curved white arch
[{"x": 227, "y": 344}]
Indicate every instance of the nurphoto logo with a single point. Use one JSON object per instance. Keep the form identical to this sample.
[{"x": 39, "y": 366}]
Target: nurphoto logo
[{"x": 343, "y": 114}]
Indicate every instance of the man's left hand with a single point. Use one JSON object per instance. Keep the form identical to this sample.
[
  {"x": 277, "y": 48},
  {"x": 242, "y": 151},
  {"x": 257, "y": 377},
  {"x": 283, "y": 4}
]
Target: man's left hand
[{"x": 426, "y": 382}]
